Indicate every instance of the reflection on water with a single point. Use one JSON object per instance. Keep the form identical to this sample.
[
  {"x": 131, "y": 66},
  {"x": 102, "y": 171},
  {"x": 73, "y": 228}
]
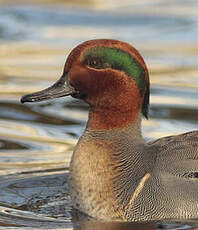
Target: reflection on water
[{"x": 36, "y": 141}]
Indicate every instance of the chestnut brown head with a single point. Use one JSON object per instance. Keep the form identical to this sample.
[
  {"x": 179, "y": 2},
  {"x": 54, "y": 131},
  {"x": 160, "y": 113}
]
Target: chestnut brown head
[{"x": 105, "y": 73}]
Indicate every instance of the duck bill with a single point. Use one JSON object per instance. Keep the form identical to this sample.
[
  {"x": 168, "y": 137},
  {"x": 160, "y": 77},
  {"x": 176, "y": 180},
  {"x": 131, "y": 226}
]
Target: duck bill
[{"x": 61, "y": 88}]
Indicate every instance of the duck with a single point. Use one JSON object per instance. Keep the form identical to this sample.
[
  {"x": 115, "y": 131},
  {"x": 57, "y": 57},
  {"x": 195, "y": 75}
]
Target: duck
[{"x": 115, "y": 175}]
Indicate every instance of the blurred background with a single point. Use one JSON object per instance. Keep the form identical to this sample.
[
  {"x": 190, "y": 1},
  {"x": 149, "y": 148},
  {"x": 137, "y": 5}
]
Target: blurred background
[{"x": 36, "y": 140}]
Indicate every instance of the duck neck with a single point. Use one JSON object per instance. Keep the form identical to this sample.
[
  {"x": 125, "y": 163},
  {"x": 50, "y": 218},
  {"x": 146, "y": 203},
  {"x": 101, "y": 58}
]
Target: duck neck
[
  {"x": 107, "y": 119},
  {"x": 105, "y": 170},
  {"x": 131, "y": 130}
]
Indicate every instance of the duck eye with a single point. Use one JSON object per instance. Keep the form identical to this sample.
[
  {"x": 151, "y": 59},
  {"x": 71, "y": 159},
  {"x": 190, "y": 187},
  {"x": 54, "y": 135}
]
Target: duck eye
[{"x": 95, "y": 62}]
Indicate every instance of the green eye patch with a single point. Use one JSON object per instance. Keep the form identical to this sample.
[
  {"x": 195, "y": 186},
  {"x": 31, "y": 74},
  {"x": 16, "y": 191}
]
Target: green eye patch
[{"x": 104, "y": 57}]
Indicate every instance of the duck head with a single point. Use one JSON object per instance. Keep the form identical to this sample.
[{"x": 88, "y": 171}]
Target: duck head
[{"x": 109, "y": 75}]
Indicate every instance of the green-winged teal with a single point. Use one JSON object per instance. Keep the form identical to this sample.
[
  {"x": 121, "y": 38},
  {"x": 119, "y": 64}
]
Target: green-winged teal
[{"x": 114, "y": 173}]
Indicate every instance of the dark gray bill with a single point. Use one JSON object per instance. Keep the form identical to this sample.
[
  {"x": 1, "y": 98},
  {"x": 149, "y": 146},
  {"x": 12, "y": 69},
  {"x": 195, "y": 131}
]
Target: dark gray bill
[{"x": 61, "y": 88}]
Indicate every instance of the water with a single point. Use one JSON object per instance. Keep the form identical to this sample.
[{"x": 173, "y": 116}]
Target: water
[{"x": 36, "y": 142}]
